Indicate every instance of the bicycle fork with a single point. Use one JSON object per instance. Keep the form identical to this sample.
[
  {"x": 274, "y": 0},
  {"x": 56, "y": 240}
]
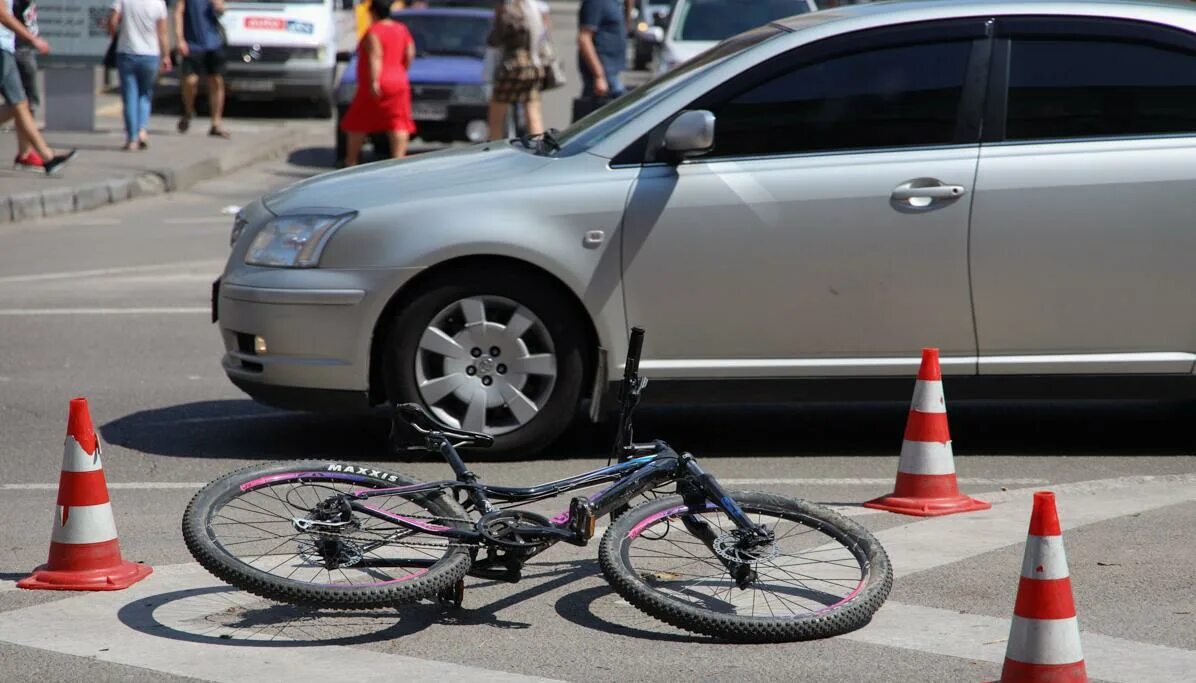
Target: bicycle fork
[{"x": 696, "y": 489}]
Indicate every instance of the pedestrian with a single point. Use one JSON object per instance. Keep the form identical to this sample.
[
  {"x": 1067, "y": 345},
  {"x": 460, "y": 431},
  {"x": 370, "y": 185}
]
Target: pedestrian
[
  {"x": 141, "y": 50},
  {"x": 383, "y": 99},
  {"x": 26, "y": 11},
  {"x": 601, "y": 48},
  {"x": 200, "y": 42},
  {"x": 33, "y": 154},
  {"x": 518, "y": 35}
]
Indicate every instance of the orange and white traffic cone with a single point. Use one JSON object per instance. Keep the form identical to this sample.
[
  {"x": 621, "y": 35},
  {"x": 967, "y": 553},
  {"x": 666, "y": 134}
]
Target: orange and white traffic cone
[
  {"x": 84, "y": 550},
  {"x": 1044, "y": 639},
  {"x": 926, "y": 484}
]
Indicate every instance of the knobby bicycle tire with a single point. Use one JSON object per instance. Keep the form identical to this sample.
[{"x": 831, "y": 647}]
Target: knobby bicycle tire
[
  {"x": 656, "y": 592},
  {"x": 207, "y": 548}
]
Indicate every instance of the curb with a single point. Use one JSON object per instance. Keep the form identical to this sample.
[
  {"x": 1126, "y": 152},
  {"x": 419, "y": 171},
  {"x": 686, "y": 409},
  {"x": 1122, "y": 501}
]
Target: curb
[{"x": 27, "y": 206}]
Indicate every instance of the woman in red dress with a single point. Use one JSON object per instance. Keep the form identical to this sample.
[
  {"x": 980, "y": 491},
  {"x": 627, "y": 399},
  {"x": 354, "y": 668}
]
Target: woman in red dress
[{"x": 383, "y": 99}]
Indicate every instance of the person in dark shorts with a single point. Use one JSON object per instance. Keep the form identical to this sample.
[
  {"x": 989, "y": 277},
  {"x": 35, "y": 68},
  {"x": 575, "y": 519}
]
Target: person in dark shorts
[
  {"x": 26, "y": 11},
  {"x": 201, "y": 46},
  {"x": 33, "y": 154}
]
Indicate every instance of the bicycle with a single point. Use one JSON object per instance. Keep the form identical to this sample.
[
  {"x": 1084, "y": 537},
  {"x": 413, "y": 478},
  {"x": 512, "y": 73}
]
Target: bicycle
[{"x": 742, "y": 566}]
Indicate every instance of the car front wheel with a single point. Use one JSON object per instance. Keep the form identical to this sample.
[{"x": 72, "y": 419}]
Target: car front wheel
[{"x": 491, "y": 350}]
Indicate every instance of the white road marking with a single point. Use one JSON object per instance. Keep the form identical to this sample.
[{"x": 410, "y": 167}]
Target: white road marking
[
  {"x": 924, "y": 544},
  {"x": 972, "y": 636},
  {"x": 874, "y": 481},
  {"x": 99, "y": 272},
  {"x": 132, "y": 485},
  {"x": 142, "y": 310},
  {"x": 89, "y": 626}
]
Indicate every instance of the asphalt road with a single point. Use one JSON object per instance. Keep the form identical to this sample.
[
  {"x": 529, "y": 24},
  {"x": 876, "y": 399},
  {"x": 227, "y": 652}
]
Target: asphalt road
[{"x": 113, "y": 305}]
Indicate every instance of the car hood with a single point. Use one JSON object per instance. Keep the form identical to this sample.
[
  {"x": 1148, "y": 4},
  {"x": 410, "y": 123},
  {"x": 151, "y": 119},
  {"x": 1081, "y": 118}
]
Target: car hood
[
  {"x": 488, "y": 167},
  {"x": 445, "y": 69}
]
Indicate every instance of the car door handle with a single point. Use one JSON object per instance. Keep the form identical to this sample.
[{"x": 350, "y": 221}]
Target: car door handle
[{"x": 917, "y": 190}]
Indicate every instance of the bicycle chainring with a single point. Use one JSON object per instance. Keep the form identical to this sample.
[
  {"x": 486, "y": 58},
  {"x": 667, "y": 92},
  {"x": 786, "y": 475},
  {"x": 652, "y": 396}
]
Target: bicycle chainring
[{"x": 509, "y": 528}]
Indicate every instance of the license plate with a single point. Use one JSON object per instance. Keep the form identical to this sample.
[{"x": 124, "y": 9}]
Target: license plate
[
  {"x": 215, "y": 300},
  {"x": 247, "y": 85},
  {"x": 429, "y": 112}
]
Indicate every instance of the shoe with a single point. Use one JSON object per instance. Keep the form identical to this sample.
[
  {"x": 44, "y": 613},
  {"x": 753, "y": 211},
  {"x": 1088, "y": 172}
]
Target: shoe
[
  {"x": 30, "y": 162},
  {"x": 218, "y": 133},
  {"x": 184, "y": 123},
  {"x": 54, "y": 166}
]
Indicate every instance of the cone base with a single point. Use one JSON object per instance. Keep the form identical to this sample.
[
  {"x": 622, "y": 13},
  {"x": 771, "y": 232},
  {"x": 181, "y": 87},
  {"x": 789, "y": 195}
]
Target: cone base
[
  {"x": 115, "y": 578},
  {"x": 927, "y": 507}
]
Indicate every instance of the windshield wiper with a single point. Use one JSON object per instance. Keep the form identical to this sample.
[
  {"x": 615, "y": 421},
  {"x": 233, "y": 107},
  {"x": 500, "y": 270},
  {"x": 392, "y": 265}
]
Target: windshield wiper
[{"x": 549, "y": 139}]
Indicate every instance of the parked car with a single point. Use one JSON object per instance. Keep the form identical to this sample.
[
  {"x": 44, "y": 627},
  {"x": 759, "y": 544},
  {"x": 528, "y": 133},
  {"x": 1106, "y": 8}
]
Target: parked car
[
  {"x": 281, "y": 49},
  {"x": 698, "y": 25},
  {"x": 794, "y": 213},
  {"x": 449, "y": 99}
]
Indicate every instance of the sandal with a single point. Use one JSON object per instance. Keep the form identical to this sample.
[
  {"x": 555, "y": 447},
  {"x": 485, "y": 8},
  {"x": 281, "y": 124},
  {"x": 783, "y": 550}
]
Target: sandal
[
  {"x": 218, "y": 133},
  {"x": 184, "y": 123}
]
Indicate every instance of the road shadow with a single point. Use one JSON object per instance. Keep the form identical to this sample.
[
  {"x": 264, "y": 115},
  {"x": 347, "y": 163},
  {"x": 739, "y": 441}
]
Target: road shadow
[
  {"x": 223, "y": 615},
  {"x": 246, "y": 430}
]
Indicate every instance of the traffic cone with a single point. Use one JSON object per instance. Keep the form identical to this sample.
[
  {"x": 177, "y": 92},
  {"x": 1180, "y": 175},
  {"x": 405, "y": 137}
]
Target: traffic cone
[
  {"x": 1044, "y": 638},
  {"x": 926, "y": 484},
  {"x": 84, "y": 550}
]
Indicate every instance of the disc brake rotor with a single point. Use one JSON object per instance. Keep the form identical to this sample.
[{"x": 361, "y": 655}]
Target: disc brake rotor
[{"x": 730, "y": 546}]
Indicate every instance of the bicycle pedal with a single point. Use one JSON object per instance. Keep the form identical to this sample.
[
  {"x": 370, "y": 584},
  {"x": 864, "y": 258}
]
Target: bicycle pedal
[{"x": 582, "y": 520}]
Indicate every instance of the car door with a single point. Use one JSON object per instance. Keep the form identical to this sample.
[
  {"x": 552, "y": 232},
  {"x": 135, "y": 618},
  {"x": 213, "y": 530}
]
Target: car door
[
  {"x": 1082, "y": 229},
  {"x": 826, "y": 231}
]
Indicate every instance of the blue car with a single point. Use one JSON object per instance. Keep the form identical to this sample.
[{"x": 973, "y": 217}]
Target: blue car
[{"x": 449, "y": 98}]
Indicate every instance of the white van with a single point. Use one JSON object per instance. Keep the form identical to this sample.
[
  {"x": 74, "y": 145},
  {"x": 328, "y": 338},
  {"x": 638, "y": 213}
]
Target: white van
[{"x": 282, "y": 49}]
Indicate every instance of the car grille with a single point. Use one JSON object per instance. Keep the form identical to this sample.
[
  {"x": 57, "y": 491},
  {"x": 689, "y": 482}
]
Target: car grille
[
  {"x": 431, "y": 93},
  {"x": 261, "y": 54}
]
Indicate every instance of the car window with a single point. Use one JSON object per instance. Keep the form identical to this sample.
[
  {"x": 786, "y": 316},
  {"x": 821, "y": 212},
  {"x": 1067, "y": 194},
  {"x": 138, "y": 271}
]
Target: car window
[
  {"x": 1096, "y": 88},
  {"x": 718, "y": 19},
  {"x": 900, "y": 96}
]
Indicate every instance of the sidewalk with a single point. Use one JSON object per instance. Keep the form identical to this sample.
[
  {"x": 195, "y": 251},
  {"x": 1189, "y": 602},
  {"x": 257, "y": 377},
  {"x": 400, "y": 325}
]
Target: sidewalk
[{"x": 103, "y": 174}]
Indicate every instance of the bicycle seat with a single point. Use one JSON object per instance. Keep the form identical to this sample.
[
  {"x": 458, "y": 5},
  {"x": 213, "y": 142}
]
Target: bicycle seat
[{"x": 415, "y": 415}]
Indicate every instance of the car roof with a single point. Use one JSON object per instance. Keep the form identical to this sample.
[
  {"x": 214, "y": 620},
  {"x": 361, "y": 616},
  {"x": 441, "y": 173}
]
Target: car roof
[
  {"x": 470, "y": 12},
  {"x": 1176, "y": 12}
]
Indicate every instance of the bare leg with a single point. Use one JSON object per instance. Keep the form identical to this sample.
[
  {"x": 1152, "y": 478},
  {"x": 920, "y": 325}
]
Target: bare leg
[
  {"x": 27, "y": 134},
  {"x": 353, "y": 142},
  {"x": 498, "y": 120},
  {"x": 398, "y": 143},
  {"x": 190, "y": 85},
  {"x": 535, "y": 119},
  {"x": 216, "y": 99}
]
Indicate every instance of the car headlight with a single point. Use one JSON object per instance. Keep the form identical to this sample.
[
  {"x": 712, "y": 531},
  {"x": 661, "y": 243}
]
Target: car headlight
[
  {"x": 239, "y": 223},
  {"x": 295, "y": 241},
  {"x": 469, "y": 94}
]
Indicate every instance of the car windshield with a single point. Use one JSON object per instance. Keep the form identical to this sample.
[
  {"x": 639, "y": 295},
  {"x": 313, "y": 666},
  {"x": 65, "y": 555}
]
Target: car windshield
[
  {"x": 442, "y": 34},
  {"x": 719, "y": 19},
  {"x": 589, "y": 130}
]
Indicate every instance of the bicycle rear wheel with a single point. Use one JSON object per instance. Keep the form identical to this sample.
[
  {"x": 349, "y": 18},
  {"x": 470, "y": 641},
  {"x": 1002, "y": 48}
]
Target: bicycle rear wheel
[
  {"x": 824, "y": 575},
  {"x": 246, "y": 528}
]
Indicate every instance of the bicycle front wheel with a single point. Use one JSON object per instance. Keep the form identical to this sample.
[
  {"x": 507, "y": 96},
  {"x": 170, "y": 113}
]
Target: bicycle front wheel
[
  {"x": 252, "y": 529},
  {"x": 822, "y": 576}
]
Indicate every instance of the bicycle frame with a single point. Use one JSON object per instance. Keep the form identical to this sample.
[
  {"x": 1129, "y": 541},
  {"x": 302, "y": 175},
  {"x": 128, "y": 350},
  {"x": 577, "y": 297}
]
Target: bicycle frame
[{"x": 660, "y": 465}]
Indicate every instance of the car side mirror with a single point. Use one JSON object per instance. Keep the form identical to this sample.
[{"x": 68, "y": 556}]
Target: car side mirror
[
  {"x": 689, "y": 135},
  {"x": 654, "y": 35},
  {"x": 344, "y": 56}
]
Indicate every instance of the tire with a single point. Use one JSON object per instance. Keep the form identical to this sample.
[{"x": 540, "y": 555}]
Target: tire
[
  {"x": 557, "y": 404},
  {"x": 206, "y": 537},
  {"x": 341, "y": 140},
  {"x": 648, "y": 589},
  {"x": 323, "y": 108}
]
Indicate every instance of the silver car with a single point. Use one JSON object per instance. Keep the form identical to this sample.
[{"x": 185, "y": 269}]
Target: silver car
[{"x": 817, "y": 199}]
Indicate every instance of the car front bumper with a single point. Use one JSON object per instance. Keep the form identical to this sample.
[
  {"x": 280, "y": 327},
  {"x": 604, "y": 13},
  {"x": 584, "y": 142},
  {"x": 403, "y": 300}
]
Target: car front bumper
[{"x": 317, "y": 338}]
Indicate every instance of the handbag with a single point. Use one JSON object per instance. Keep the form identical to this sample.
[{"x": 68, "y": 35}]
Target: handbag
[{"x": 554, "y": 71}]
